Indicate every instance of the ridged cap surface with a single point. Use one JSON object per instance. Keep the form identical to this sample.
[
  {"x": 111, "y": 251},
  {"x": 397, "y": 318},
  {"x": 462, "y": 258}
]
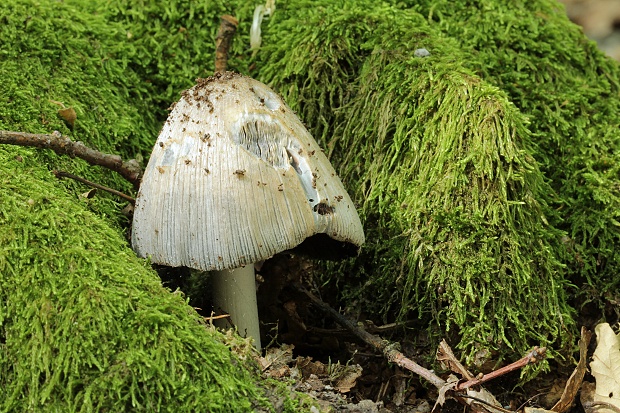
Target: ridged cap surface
[{"x": 235, "y": 178}]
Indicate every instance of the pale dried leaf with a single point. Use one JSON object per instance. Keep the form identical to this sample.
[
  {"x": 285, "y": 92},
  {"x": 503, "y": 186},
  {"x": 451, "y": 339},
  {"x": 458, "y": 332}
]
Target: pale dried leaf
[
  {"x": 605, "y": 367},
  {"x": 447, "y": 359},
  {"x": 536, "y": 410},
  {"x": 89, "y": 194},
  {"x": 277, "y": 357},
  {"x": 450, "y": 385}
]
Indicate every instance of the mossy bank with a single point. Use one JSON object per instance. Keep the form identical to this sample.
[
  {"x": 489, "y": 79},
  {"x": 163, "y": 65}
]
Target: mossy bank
[
  {"x": 481, "y": 142},
  {"x": 486, "y": 174},
  {"x": 84, "y": 324}
]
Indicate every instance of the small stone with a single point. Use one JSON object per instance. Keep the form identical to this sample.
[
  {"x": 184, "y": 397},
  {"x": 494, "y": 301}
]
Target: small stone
[{"x": 421, "y": 53}]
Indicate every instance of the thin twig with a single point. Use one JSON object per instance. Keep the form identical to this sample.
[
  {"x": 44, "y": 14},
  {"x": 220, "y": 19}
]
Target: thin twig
[
  {"x": 61, "y": 174},
  {"x": 228, "y": 27},
  {"x": 474, "y": 398},
  {"x": 385, "y": 347},
  {"x": 534, "y": 356},
  {"x": 63, "y": 145},
  {"x": 371, "y": 328}
]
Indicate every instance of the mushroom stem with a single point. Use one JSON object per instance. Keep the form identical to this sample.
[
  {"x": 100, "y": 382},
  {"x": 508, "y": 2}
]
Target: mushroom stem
[{"x": 234, "y": 292}]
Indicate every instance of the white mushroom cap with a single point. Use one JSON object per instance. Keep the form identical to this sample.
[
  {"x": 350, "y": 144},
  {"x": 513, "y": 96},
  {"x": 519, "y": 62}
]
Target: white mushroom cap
[{"x": 235, "y": 178}]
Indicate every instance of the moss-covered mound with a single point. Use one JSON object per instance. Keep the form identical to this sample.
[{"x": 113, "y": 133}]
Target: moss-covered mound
[
  {"x": 53, "y": 55},
  {"x": 441, "y": 160},
  {"x": 571, "y": 92},
  {"x": 174, "y": 42},
  {"x": 84, "y": 324},
  {"x": 486, "y": 172}
]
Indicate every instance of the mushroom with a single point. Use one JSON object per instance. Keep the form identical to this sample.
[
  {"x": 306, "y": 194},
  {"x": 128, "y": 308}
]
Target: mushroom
[{"x": 233, "y": 179}]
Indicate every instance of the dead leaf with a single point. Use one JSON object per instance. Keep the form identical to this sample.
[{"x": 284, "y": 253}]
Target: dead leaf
[
  {"x": 536, "y": 410},
  {"x": 586, "y": 395},
  {"x": 314, "y": 383},
  {"x": 445, "y": 356},
  {"x": 276, "y": 359},
  {"x": 348, "y": 378},
  {"x": 422, "y": 406},
  {"x": 553, "y": 395},
  {"x": 65, "y": 113},
  {"x": 483, "y": 401},
  {"x": 574, "y": 381},
  {"x": 605, "y": 368},
  {"x": 450, "y": 385},
  {"x": 280, "y": 372},
  {"x": 309, "y": 367}
]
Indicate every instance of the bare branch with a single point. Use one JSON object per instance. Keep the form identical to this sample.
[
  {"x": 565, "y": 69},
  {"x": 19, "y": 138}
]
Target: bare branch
[
  {"x": 63, "y": 145},
  {"x": 534, "y": 356}
]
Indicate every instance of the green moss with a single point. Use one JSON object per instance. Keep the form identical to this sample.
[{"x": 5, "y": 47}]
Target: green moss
[
  {"x": 487, "y": 174},
  {"x": 174, "y": 42},
  {"x": 570, "y": 91},
  {"x": 82, "y": 62},
  {"x": 84, "y": 324},
  {"x": 441, "y": 161},
  {"x": 455, "y": 179}
]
